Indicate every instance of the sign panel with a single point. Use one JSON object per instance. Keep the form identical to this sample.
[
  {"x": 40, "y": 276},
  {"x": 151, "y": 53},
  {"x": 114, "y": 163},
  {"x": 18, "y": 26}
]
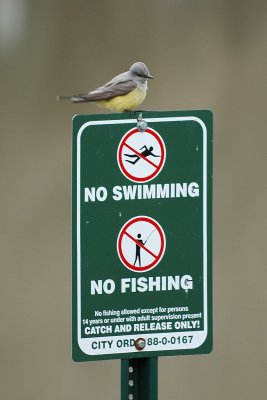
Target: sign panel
[{"x": 142, "y": 235}]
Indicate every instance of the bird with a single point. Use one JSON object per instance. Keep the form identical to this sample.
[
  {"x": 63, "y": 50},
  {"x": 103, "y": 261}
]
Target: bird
[{"x": 123, "y": 93}]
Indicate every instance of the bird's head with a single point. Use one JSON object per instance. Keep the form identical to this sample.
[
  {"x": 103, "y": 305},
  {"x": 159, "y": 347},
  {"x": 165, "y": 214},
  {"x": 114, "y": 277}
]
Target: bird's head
[{"x": 140, "y": 70}]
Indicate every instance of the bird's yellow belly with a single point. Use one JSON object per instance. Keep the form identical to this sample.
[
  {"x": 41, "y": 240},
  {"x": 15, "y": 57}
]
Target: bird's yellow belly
[{"x": 126, "y": 102}]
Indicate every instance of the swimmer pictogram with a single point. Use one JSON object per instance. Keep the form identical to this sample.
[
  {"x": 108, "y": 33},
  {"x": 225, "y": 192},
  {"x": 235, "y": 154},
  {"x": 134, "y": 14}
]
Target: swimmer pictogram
[{"x": 141, "y": 155}]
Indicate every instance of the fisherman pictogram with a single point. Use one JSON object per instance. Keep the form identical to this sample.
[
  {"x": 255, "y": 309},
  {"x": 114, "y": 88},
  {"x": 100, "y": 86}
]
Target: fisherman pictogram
[
  {"x": 145, "y": 153},
  {"x": 141, "y": 243},
  {"x": 138, "y": 248}
]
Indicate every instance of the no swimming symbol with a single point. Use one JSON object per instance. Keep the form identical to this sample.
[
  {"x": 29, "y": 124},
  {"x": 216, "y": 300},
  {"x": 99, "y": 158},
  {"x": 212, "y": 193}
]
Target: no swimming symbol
[
  {"x": 141, "y": 155},
  {"x": 141, "y": 244}
]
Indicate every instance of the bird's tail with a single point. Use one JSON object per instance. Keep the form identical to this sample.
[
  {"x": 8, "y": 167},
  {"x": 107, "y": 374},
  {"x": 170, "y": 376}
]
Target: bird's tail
[
  {"x": 63, "y": 98},
  {"x": 74, "y": 99}
]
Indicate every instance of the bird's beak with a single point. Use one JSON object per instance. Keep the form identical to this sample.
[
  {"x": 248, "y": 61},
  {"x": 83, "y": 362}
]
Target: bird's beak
[{"x": 150, "y": 76}]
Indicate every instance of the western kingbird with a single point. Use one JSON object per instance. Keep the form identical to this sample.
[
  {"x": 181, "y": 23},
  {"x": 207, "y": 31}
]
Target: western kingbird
[{"x": 125, "y": 92}]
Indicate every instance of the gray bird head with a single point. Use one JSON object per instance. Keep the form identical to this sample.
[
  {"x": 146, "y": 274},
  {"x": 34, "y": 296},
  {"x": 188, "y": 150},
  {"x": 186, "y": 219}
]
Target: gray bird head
[{"x": 140, "y": 70}]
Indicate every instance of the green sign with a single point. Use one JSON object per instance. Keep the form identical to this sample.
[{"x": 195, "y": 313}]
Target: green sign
[{"x": 142, "y": 235}]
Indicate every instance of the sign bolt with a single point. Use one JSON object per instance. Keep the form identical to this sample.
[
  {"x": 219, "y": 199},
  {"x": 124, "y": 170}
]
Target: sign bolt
[
  {"x": 141, "y": 123},
  {"x": 140, "y": 344}
]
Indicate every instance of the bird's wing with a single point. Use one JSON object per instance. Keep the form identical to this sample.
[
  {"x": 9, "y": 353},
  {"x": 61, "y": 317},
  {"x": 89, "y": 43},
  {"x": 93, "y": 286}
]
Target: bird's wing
[{"x": 118, "y": 86}]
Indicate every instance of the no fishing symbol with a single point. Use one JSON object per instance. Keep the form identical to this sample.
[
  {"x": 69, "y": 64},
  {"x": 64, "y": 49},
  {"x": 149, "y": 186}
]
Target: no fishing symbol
[
  {"x": 141, "y": 155},
  {"x": 141, "y": 244}
]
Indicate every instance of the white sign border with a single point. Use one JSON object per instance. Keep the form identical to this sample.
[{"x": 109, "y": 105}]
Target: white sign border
[{"x": 86, "y": 344}]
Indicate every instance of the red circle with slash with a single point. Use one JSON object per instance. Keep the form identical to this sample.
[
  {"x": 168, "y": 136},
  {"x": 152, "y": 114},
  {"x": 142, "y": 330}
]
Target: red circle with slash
[
  {"x": 141, "y": 155},
  {"x": 141, "y": 244}
]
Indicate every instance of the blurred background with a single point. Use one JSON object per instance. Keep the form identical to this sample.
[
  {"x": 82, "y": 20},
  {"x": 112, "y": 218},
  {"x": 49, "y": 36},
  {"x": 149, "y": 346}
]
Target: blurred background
[{"x": 204, "y": 54}]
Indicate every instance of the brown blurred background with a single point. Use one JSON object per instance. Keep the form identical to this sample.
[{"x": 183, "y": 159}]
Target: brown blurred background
[{"x": 204, "y": 54}]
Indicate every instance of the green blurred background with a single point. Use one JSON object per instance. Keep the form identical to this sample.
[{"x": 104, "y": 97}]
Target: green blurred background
[{"x": 204, "y": 54}]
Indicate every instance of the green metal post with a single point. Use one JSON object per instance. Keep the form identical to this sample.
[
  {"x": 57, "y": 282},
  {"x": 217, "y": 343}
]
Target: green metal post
[{"x": 139, "y": 379}]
